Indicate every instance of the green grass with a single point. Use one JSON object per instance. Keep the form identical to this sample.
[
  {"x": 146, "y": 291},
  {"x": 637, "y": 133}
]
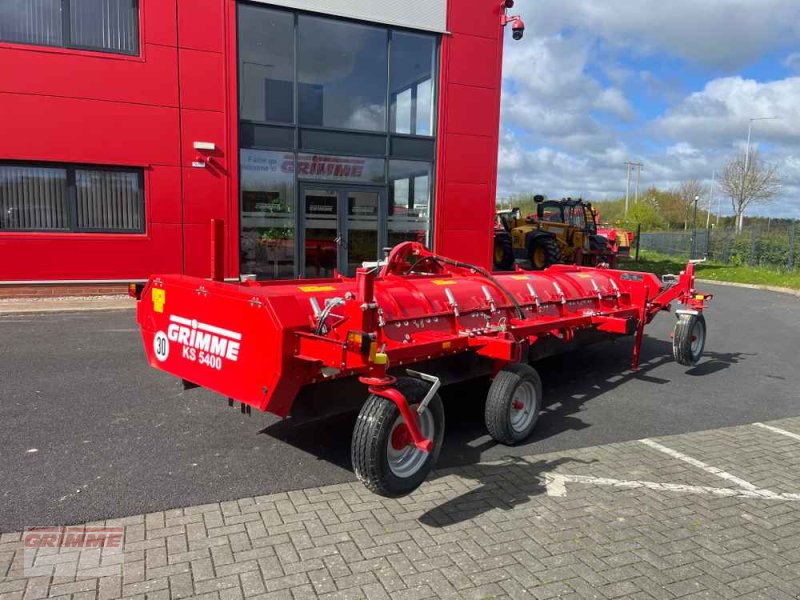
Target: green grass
[{"x": 660, "y": 264}]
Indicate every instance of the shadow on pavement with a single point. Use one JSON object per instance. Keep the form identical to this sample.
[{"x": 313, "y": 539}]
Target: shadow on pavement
[
  {"x": 505, "y": 486},
  {"x": 570, "y": 381}
]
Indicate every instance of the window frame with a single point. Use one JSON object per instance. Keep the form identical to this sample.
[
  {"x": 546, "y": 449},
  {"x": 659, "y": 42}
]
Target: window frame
[
  {"x": 66, "y": 35},
  {"x": 71, "y": 193}
]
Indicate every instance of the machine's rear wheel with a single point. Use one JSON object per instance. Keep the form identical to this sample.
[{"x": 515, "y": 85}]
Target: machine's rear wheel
[
  {"x": 384, "y": 458},
  {"x": 543, "y": 252},
  {"x": 503, "y": 255},
  {"x": 513, "y": 404},
  {"x": 689, "y": 339}
]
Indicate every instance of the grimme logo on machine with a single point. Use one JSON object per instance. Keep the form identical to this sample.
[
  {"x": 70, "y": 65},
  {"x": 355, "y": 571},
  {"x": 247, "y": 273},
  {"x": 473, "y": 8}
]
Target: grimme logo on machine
[{"x": 199, "y": 342}]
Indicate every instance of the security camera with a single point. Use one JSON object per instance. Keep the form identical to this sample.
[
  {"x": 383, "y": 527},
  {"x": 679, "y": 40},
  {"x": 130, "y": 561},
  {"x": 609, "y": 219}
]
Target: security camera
[{"x": 518, "y": 29}]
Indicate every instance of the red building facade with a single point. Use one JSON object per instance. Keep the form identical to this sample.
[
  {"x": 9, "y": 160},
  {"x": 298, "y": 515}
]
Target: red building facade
[{"x": 123, "y": 135}]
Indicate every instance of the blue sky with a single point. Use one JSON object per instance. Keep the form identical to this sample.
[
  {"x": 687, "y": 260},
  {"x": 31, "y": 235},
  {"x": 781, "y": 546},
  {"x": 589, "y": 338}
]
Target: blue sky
[{"x": 594, "y": 84}]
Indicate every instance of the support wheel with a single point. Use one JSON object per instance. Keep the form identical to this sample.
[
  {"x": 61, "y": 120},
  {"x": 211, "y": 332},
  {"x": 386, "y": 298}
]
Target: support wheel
[
  {"x": 543, "y": 252},
  {"x": 513, "y": 404},
  {"x": 503, "y": 255},
  {"x": 384, "y": 458},
  {"x": 689, "y": 339}
]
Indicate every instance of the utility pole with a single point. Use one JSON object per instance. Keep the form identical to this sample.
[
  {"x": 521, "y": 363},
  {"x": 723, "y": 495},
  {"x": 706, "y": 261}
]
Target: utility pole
[
  {"x": 711, "y": 200},
  {"x": 638, "y": 179},
  {"x": 740, "y": 217},
  {"x": 628, "y": 189}
]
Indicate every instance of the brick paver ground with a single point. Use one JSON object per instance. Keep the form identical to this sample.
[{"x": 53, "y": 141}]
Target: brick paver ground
[{"x": 626, "y": 520}]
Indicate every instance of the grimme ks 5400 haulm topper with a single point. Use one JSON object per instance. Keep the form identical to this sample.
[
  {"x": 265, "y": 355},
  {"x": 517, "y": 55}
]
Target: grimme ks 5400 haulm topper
[{"x": 402, "y": 328}]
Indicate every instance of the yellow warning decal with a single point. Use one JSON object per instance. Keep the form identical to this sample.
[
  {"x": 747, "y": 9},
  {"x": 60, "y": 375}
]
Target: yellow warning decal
[
  {"x": 585, "y": 275},
  {"x": 446, "y": 345},
  {"x": 699, "y": 297},
  {"x": 520, "y": 277},
  {"x": 444, "y": 282},
  {"x": 316, "y": 288},
  {"x": 159, "y": 299}
]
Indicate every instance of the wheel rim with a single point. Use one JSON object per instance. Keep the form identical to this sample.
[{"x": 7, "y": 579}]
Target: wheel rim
[
  {"x": 405, "y": 459},
  {"x": 698, "y": 338},
  {"x": 523, "y": 406}
]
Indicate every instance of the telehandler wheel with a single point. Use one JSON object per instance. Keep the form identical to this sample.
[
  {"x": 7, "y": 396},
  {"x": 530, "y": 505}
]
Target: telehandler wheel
[
  {"x": 503, "y": 254},
  {"x": 543, "y": 252},
  {"x": 689, "y": 339},
  {"x": 384, "y": 457},
  {"x": 513, "y": 404}
]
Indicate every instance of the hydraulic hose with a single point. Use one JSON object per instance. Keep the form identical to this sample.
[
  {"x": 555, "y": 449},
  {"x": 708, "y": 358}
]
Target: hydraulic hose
[{"x": 484, "y": 273}]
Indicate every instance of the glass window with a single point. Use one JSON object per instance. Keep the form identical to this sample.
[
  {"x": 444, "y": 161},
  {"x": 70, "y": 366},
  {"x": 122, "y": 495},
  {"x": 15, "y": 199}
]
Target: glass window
[
  {"x": 109, "y": 200},
  {"x": 266, "y": 64},
  {"x": 411, "y": 92},
  {"x": 31, "y": 22},
  {"x": 71, "y": 198},
  {"x": 268, "y": 207},
  {"x": 323, "y": 167},
  {"x": 111, "y": 25},
  {"x": 342, "y": 74},
  {"x": 104, "y": 25},
  {"x": 409, "y": 201},
  {"x": 33, "y": 198}
]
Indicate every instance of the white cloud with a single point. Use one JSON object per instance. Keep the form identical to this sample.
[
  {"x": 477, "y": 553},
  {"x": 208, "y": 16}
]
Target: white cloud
[
  {"x": 720, "y": 33},
  {"x": 719, "y": 114},
  {"x": 793, "y": 61},
  {"x": 568, "y": 126}
]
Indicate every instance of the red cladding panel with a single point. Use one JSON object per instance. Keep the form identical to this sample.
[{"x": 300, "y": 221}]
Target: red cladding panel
[
  {"x": 204, "y": 192},
  {"x": 470, "y": 159},
  {"x": 198, "y": 248},
  {"x": 474, "y": 17},
  {"x": 88, "y": 131},
  {"x": 204, "y": 126},
  {"x": 465, "y": 104},
  {"x": 160, "y": 18},
  {"x": 95, "y": 76},
  {"x": 76, "y": 256},
  {"x": 202, "y": 80},
  {"x": 469, "y": 109},
  {"x": 465, "y": 202},
  {"x": 473, "y": 247},
  {"x": 474, "y": 61},
  {"x": 200, "y": 23},
  {"x": 163, "y": 197}
]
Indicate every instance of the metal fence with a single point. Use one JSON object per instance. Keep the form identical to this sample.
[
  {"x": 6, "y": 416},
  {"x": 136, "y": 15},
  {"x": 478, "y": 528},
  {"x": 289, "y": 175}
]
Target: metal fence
[{"x": 755, "y": 248}]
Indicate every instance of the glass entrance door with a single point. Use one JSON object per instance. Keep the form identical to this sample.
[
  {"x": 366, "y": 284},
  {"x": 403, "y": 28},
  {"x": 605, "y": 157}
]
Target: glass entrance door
[{"x": 343, "y": 227}]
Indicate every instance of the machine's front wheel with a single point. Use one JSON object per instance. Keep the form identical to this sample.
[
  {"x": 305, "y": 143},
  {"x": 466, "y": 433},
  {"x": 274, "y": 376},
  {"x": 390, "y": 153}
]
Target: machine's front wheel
[
  {"x": 543, "y": 252},
  {"x": 513, "y": 404},
  {"x": 689, "y": 339},
  {"x": 384, "y": 458},
  {"x": 503, "y": 254}
]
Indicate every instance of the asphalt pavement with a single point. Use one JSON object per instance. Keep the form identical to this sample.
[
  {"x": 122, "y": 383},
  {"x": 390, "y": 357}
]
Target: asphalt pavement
[{"x": 88, "y": 431}]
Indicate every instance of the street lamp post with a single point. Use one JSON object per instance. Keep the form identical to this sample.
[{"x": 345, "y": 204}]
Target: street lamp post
[
  {"x": 747, "y": 162},
  {"x": 694, "y": 229}
]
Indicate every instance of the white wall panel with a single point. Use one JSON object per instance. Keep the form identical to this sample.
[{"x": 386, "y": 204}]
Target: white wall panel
[{"x": 430, "y": 15}]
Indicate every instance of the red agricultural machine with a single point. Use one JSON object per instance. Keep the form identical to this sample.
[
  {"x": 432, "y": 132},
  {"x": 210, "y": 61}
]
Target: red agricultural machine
[{"x": 402, "y": 328}]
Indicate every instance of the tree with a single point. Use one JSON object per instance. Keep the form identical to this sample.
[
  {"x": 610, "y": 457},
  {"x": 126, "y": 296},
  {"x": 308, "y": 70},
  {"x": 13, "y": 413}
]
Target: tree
[
  {"x": 749, "y": 183},
  {"x": 687, "y": 192}
]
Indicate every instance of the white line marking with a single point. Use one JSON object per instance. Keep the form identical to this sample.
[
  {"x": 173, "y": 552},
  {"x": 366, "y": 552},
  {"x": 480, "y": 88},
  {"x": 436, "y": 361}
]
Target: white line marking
[
  {"x": 555, "y": 485},
  {"x": 794, "y": 436},
  {"x": 700, "y": 465}
]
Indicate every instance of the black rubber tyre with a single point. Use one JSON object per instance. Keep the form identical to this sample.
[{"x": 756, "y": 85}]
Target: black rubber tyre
[
  {"x": 543, "y": 252},
  {"x": 507, "y": 423},
  {"x": 689, "y": 339},
  {"x": 503, "y": 253},
  {"x": 372, "y": 436}
]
